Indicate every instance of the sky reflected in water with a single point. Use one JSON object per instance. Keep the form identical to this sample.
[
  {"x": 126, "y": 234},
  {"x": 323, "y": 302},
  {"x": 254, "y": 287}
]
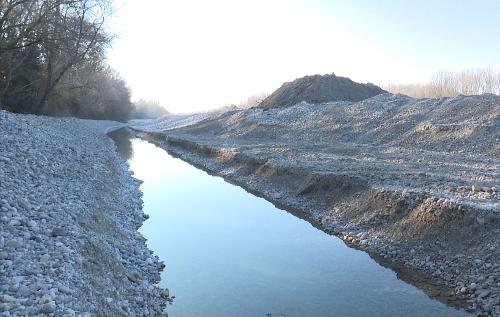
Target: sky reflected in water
[{"x": 229, "y": 253}]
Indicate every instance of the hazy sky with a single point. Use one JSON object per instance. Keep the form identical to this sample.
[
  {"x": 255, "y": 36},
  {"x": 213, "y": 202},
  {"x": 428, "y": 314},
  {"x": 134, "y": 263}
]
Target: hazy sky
[{"x": 196, "y": 55}]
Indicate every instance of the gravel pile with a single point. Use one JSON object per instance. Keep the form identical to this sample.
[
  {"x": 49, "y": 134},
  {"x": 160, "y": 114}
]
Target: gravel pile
[
  {"x": 69, "y": 214},
  {"x": 414, "y": 182},
  {"x": 319, "y": 89}
]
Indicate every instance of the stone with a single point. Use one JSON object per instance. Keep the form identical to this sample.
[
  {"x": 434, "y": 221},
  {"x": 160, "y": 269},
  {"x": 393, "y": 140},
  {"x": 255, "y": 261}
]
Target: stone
[
  {"x": 15, "y": 244},
  {"x": 48, "y": 308},
  {"x": 35, "y": 286},
  {"x": 64, "y": 289},
  {"x": 57, "y": 231},
  {"x": 5, "y": 160},
  {"x": 134, "y": 277},
  {"x": 8, "y": 299},
  {"x": 486, "y": 308},
  {"x": 14, "y": 222},
  {"x": 24, "y": 291},
  {"x": 483, "y": 293},
  {"x": 44, "y": 258}
]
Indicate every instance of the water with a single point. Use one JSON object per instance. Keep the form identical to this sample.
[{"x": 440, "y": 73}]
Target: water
[{"x": 229, "y": 253}]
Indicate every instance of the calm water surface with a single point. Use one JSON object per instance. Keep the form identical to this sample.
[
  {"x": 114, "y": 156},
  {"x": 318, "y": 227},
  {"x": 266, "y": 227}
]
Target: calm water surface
[{"x": 229, "y": 253}]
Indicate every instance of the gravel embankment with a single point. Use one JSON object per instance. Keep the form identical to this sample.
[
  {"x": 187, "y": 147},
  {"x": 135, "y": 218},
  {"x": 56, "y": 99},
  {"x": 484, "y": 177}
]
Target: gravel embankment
[
  {"x": 69, "y": 214},
  {"x": 413, "y": 182}
]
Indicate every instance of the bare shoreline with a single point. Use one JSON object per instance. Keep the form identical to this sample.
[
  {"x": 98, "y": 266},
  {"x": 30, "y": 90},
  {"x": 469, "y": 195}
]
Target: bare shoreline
[{"x": 69, "y": 214}]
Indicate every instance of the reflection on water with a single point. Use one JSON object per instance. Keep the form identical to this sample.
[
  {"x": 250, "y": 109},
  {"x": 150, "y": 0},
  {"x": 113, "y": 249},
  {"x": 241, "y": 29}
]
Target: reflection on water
[
  {"x": 121, "y": 137},
  {"x": 229, "y": 253}
]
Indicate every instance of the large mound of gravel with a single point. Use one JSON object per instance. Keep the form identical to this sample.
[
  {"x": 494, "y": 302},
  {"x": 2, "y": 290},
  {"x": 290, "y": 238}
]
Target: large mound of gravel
[{"x": 318, "y": 89}]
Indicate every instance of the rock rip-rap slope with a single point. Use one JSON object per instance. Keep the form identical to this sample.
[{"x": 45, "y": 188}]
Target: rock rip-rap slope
[{"x": 69, "y": 214}]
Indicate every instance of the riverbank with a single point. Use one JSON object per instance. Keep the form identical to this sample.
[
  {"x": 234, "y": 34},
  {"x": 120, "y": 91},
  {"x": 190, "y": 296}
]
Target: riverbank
[
  {"x": 412, "y": 182},
  {"x": 69, "y": 214}
]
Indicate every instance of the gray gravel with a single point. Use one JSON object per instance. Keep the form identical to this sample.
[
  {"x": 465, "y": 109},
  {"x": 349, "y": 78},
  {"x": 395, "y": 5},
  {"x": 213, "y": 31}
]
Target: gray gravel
[
  {"x": 414, "y": 182},
  {"x": 69, "y": 214},
  {"x": 319, "y": 89}
]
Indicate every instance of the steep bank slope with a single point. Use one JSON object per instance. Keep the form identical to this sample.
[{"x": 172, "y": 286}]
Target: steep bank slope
[
  {"x": 413, "y": 182},
  {"x": 69, "y": 214}
]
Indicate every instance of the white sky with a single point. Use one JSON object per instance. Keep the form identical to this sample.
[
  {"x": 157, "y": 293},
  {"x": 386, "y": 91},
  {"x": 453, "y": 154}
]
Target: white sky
[{"x": 198, "y": 55}]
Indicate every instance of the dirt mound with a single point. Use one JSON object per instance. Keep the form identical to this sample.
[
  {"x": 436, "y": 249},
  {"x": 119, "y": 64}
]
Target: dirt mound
[{"x": 318, "y": 89}]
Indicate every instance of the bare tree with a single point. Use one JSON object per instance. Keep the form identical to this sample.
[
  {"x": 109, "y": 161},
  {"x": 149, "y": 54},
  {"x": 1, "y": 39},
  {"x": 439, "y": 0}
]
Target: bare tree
[
  {"x": 445, "y": 84},
  {"x": 73, "y": 35},
  {"x": 41, "y": 41},
  {"x": 20, "y": 21}
]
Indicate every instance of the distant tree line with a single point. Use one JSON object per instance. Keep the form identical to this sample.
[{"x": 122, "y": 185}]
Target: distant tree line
[
  {"x": 52, "y": 59},
  {"x": 252, "y": 101},
  {"x": 144, "y": 109},
  {"x": 447, "y": 84}
]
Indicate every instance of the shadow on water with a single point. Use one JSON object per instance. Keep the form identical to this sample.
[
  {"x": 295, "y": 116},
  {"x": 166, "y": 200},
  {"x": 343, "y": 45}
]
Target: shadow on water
[{"x": 123, "y": 139}]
